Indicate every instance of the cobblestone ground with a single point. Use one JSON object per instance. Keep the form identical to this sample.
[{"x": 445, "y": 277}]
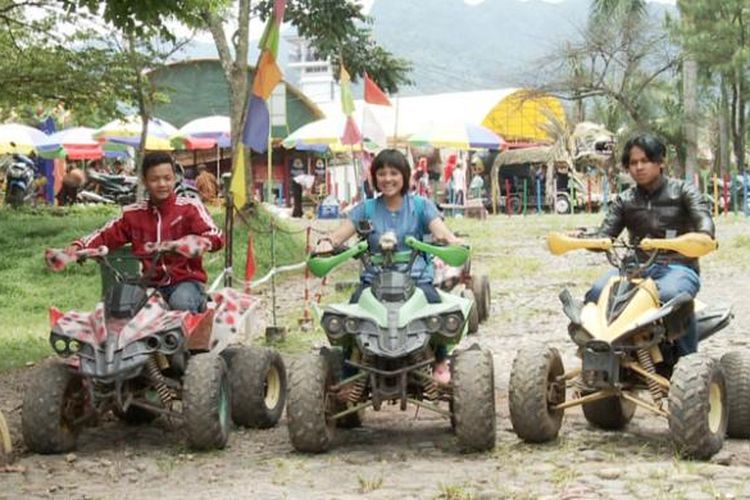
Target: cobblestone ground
[{"x": 414, "y": 455}]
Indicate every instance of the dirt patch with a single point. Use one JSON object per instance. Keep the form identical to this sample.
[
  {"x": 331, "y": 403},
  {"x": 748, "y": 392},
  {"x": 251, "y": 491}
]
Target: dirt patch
[{"x": 413, "y": 454}]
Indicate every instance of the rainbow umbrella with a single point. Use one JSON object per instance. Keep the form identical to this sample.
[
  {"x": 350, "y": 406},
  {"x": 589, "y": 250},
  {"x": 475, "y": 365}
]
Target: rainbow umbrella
[
  {"x": 209, "y": 131},
  {"x": 322, "y": 135},
  {"x": 128, "y": 131},
  {"x": 76, "y": 143},
  {"x": 457, "y": 136},
  {"x": 17, "y": 138}
]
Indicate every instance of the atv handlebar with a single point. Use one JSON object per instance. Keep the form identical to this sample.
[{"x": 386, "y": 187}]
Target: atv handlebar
[
  {"x": 189, "y": 246},
  {"x": 453, "y": 255},
  {"x": 58, "y": 259},
  {"x": 691, "y": 245}
]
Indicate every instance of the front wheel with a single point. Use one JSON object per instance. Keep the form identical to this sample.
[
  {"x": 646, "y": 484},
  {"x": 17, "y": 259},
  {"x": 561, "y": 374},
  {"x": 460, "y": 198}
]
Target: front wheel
[
  {"x": 206, "y": 402},
  {"x": 15, "y": 196},
  {"x": 258, "y": 380},
  {"x": 736, "y": 368},
  {"x": 562, "y": 204},
  {"x": 534, "y": 390},
  {"x": 310, "y": 404},
  {"x": 473, "y": 399},
  {"x": 697, "y": 407},
  {"x": 53, "y": 407}
]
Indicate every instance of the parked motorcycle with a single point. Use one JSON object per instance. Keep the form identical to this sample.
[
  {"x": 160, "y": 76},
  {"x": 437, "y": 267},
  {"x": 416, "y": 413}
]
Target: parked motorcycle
[{"x": 19, "y": 181}]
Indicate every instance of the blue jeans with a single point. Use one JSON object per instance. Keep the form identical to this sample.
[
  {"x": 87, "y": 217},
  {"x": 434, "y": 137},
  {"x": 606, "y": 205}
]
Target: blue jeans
[
  {"x": 671, "y": 280},
  {"x": 185, "y": 296}
]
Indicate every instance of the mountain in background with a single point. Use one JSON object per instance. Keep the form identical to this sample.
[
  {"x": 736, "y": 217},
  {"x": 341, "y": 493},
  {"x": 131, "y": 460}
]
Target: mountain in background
[{"x": 457, "y": 47}]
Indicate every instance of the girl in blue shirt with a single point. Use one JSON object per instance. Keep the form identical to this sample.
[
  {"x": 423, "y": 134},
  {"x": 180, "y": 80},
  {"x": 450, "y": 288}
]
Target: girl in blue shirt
[{"x": 396, "y": 210}]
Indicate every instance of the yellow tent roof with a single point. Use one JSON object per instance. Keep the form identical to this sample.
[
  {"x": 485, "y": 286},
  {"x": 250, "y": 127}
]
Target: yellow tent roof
[{"x": 521, "y": 116}]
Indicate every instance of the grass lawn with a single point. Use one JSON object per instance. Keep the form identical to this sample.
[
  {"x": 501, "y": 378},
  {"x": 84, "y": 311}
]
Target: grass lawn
[{"x": 28, "y": 289}]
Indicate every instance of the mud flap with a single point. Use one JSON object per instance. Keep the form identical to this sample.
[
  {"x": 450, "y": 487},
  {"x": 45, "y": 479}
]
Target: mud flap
[{"x": 712, "y": 319}]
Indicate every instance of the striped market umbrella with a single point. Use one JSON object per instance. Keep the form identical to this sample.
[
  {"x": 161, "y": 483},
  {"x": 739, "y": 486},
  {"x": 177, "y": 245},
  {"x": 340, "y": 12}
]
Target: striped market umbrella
[
  {"x": 17, "y": 138},
  {"x": 209, "y": 131},
  {"x": 76, "y": 143},
  {"x": 320, "y": 135},
  {"x": 128, "y": 131},
  {"x": 457, "y": 136}
]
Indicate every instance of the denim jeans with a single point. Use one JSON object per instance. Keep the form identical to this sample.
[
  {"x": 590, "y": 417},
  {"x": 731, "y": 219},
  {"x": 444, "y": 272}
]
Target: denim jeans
[
  {"x": 671, "y": 280},
  {"x": 185, "y": 296}
]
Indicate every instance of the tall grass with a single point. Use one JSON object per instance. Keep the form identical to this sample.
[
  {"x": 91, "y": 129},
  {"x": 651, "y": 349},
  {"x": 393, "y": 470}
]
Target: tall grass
[{"x": 28, "y": 288}]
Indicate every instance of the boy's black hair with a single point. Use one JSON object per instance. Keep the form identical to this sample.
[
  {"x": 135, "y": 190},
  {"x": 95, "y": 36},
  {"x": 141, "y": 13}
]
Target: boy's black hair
[
  {"x": 652, "y": 147},
  {"x": 153, "y": 159},
  {"x": 392, "y": 158}
]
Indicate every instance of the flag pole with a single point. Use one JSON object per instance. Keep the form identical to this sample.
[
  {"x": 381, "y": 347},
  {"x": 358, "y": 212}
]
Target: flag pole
[
  {"x": 395, "y": 125},
  {"x": 269, "y": 189}
]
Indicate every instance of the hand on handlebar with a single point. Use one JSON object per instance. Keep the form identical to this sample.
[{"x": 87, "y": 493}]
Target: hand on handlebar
[
  {"x": 189, "y": 246},
  {"x": 57, "y": 259}
]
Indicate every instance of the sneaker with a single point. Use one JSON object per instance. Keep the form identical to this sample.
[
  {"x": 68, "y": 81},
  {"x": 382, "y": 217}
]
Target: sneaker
[{"x": 441, "y": 372}]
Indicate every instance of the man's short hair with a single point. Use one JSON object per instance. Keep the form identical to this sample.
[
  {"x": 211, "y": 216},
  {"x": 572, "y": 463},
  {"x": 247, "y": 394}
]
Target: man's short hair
[
  {"x": 652, "y": 147},
  {"x": 153, "y": 159}
]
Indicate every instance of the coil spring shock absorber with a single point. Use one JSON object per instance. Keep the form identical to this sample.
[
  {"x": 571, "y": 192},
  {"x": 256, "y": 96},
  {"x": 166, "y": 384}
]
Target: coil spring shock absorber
[
  {"x": 429, "y": 387},
  {"x": 152, "y": 367},
  {"x": 358, "y": 389},
  {"x": 647, "y": 362}
]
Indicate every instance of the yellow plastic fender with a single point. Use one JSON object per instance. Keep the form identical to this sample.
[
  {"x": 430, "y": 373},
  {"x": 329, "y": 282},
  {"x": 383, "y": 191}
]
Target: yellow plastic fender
[
  {"x": 692, "y": 245},
  {"x": 559, "y": 243}
]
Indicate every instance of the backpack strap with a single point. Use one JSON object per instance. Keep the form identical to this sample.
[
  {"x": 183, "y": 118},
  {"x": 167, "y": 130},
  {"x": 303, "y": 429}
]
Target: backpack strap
[{"x": 369, "y": 208}]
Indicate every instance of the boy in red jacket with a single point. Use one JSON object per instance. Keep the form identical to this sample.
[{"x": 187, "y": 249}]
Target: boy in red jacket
[{"x": 180, "y": 277}]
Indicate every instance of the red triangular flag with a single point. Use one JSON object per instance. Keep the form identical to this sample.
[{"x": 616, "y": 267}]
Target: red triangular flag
[
  {"x": 352, "y": 135},
  {"x": 250, "y": 262},
  {"x": 373, "y": 94}
]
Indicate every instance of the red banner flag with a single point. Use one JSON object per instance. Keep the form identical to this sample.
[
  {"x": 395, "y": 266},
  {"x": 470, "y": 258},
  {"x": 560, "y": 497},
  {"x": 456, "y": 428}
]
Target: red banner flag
[{"x": 373, "y": 94}]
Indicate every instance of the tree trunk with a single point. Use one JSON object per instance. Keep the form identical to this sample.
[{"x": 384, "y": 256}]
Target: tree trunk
[
  {"x": 724, "y": 128},
  {"x": 235, "y": 73},
  {"x": 690, "y": 106},
  {"x": 738, "y": 119}
]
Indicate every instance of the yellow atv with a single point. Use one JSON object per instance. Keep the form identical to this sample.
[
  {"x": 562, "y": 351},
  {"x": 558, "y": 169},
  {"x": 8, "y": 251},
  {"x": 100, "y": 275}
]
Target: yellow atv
[{"x": 624, "y": 341}]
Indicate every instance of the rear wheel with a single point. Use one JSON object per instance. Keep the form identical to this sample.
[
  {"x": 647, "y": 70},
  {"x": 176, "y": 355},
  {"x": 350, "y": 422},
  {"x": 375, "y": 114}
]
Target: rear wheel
[
  {"x": 610, "y": 414},
  {"x": 473, "y": 318},
  {"x": 258, "y": 380},
  {"x": 473, "y": 399},
  {"x": 53, "y": 408},
  {"x": 562, "y": 204},
  {"x": 207, "y": 402},
  {"x": 310, "y": 404},
  {"x": 480, "y": 285},
  {"x": 697, "y": 407},
  {"x": 534, "y": 391},
  {"x": 736, "y": 368},
  {"x": 5, "y": 444}
]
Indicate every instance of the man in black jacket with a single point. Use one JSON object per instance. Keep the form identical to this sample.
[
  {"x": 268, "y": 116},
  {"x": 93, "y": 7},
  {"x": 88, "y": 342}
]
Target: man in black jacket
[{"x": 658, "y": 207}]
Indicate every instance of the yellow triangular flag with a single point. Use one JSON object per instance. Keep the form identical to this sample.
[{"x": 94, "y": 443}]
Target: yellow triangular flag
[{"x": 238, "y": 187}]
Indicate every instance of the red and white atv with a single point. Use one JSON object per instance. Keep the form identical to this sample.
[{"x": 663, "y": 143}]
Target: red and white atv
[{"x": 136, "y": 357}]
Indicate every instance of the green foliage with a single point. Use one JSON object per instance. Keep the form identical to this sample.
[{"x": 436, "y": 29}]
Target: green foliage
[
  {"x": 28, "y": 289},
  {"x": 338, "y": 29},
  {"x": 39, "y": 68}
]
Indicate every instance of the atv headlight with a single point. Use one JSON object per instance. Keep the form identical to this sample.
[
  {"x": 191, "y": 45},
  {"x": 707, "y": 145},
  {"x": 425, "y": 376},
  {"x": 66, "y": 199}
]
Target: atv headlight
[
  {"x": 60, "y": 345},
  {"x": 74, "y": 346},
  {"x": 433, "y": 323},
  {"x": 351, "y": 325},
  {"x": 333, "y": 325},
  {"x": 452, "y": 323}
]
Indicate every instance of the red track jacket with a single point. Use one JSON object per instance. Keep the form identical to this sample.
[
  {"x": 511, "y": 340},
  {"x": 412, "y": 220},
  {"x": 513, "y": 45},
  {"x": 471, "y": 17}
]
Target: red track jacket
[{"x": 144, "y": 222}]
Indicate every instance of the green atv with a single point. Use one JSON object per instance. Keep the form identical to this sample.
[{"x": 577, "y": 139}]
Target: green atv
[{"x": 392, "y": 333}]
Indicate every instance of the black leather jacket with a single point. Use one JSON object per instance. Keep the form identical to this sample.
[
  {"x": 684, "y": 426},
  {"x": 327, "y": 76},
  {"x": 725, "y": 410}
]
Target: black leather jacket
[{"x": 672, "y": 209}]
